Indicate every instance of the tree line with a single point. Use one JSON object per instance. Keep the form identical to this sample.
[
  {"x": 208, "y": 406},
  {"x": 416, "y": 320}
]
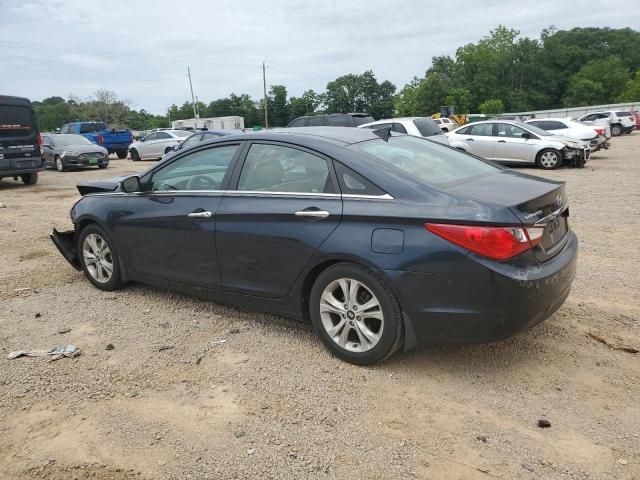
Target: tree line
[{"x": 502, "y": 72}]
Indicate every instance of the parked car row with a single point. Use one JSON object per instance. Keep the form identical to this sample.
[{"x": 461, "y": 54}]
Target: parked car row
[{"x": 618, "y": 121}]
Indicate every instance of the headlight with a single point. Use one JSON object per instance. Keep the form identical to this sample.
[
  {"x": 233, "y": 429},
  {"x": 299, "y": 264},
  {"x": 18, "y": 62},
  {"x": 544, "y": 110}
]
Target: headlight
[{"x": 70, "y": 153}]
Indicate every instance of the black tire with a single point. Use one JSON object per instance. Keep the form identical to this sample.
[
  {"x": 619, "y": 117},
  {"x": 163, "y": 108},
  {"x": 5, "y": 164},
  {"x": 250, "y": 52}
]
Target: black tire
[
  {"x": 115, "y": 281},
  {"x": 616, "y": 130},
  {"x": 122, "y": 154},
  {"x": 134, "y": 155},
  {"x": 102, "y": 167},
  {"x": 57, "y": 164},
  {"x": 391, "y": 337},
  {"x": 167, "y": 150},
  {"x": 543, "y": 160},
  {"x": 29, "y": 178}
]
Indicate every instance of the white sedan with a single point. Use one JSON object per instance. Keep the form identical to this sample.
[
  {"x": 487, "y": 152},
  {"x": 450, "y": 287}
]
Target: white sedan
[
  {"x": 416, "y": 126},
  {"x": 573, "y": 129},
  {"x": 156, "y": 144}
]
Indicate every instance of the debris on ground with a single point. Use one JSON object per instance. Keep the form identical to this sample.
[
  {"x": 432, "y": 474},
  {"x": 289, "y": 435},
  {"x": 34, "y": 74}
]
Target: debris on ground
[
  {"x": 622, "y": 461},
  {"x": 544, "y": 423},
  {"x": 38, "y": 315},
  {"x": 217, "y": 342},
  {"x": 131, "y": 393},
  {"x": 56, "y": 353},
  {"x": 2, "y": 205},
  {"x": 613, "y": 345},
  {"x": 109, "y": 346},
  {"x": 482, "y": 438},
  {"x": 64, "y": 329},
  {"x": 162, "y": 348},
  {"x": 23, "y": 290}
]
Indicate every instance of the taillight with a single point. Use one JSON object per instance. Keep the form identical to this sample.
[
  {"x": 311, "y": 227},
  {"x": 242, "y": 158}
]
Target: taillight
[
  {"x": 40, "y": 145},
  {"x": 100, "y": 139},
  {"x": 496, "y": 243},
  {"x": 599, "y": 131}
]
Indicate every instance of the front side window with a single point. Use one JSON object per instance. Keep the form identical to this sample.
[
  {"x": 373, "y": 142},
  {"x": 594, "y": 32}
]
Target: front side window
[
  {"x": 298, "y": 122},
  {"x": 148, "y": 138},
  {"x": 192, "y": 140},
  {"x": 274, "y": 168},
  {"x": 316, "y": 121},
  {"x": 398, "y": 127},
  {"x": 204, "y": 170},
  {"x": 162, "y": 136},
  {"x": 425, "y": 161}
]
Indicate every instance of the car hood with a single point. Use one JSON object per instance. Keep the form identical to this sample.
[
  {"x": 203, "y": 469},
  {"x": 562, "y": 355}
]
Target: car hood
[
  {"x": 563, "y": 139},
  {"x": 98, "y": 186},
  {"x": 83, "y": 148}
]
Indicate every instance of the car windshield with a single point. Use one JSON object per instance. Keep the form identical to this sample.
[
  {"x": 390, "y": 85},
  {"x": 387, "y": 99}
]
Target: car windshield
[
  {"x": 427, "y": 127},
  {"x": 429, "y": 162},
  {"x": 66, "y": 140},
  {"x": 533, "y": 129},
  {"x": 183, "y": 133}
]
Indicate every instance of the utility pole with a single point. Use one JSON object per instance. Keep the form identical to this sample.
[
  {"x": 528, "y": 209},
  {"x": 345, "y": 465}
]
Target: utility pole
[
  {"x": 193, "y": 98},
  {"x": 266, "y": 99}
]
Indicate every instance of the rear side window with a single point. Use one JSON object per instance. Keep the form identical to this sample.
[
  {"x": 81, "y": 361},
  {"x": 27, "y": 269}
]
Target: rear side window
[
  {"x": 427, "y": 127},
  {"x": 360, "y": 120},
  {"x": 15, "y": 121},
  {"x": 425, "y": 161},
  {"x": 352, "y": 183},
  {"x": 316, "y": 121},
  {"x": 482, "y": 129},
  {"x": 92, "y": 127},
  {"x": 274, "y": 168},
  {"x": 398, "y": 127},
  {"x": 338, "y": 121},
  {"x": 298, "y": 122}
]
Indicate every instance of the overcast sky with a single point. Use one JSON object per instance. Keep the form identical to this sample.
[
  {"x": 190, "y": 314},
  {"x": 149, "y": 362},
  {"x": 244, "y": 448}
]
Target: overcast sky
[{"x": 141, "y": 50}]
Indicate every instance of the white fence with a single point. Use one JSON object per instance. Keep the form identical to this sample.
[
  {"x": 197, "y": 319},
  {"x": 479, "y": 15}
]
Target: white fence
[{"x": 575, "y": 112}]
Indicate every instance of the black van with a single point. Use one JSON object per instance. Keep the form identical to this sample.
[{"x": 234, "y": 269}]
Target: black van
[
  {"x": 332, "y": 120},
  {"x": 20, "y": 142}
]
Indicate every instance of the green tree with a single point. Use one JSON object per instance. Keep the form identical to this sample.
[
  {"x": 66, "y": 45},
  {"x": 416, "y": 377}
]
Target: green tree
[
  {"x": 492, "y": 106},
  {"x": 278, "y": 107},
  {"x": 631, "y": 91}
]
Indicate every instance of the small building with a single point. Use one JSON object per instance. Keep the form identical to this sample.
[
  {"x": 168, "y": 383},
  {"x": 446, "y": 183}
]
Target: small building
[{"x": 215, "y": 123}]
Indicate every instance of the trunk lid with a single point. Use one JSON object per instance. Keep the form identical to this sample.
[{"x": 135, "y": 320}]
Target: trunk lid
[{"x": 533, "y": 200}]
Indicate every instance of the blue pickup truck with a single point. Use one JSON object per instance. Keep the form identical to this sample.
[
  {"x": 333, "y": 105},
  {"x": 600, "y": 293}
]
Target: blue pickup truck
[{"x": 115, "y": 141}]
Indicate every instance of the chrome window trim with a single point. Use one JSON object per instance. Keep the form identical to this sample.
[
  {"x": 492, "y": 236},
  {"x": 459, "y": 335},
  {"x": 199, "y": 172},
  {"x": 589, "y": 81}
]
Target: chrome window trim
[
  {"x": 248, "y": 193},
  {"x": 259, "y": 193}
]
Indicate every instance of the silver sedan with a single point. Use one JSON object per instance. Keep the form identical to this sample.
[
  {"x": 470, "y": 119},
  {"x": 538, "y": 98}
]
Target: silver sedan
[
  {"x": 510, "y": 141},
  {"x": 156, "y": 144}
]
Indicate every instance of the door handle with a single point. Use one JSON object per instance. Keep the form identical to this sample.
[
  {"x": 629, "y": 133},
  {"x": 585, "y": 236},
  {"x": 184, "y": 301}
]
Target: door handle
[
  {"x": 502, "y": 141},
  {"x": 469, "y": 139},
  {"x": 200, "y": 215},
  {"x": 312, "y": 213}
]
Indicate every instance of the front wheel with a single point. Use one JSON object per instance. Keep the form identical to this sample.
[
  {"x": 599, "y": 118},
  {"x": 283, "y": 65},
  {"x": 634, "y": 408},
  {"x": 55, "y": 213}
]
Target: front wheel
[
  {"x": 99, "y": 259},
  {"x": 122, "y": 154},
  {"x": 135, "y": 156},
  {"x": 59, "y": 164},
  {"x": 29, "y": 178},
  {"x": 356, "y": 314},
  {"x": 549, "y": 159},
  {"x": 616, "y": 130}
]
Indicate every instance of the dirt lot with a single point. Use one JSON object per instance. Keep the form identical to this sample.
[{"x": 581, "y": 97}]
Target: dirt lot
[{"x": 171, "y": 401}]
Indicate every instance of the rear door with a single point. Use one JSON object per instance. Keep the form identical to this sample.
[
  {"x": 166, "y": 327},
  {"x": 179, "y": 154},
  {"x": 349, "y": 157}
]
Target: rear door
[
  {"x": 284, "y": 206},
  {"x": 480, "y": 140},
  {"x": 19, "y": 147}
]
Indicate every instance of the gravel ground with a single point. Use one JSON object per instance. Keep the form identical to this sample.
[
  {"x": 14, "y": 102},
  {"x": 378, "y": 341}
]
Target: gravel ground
[{"x": 156, "y": 393}]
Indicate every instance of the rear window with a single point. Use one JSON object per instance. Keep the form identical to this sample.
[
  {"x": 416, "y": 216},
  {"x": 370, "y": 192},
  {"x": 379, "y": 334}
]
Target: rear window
[
  {"x": 15, "y": 121},
  {"x": 427, "y": 127},
  {"x": 429, "y": 162},
  {"x": 623, "y": 114},
  {"x": 92, "y": 127},
  {"x": 358, "y": 120}
]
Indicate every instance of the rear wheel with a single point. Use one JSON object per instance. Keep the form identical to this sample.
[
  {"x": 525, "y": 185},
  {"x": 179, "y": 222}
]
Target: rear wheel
[
  {"x": 616, "y": 130},
  {"x": 122, "y": 154},
  {"x": 99, "y": 258},
  {"x": 59, "y": 164},
  {"x": 549, "y": 159},
  {"x": 29, "y": 178},
  {"x": 134, "y": 155},
  {"x": 355, "y": 313}
]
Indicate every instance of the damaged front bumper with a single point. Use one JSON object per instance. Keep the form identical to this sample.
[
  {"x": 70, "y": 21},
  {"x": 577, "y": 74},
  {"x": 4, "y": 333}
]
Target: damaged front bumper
[
  {"x": 66, "y": 244},
  {"x": 576, "y": 157}
]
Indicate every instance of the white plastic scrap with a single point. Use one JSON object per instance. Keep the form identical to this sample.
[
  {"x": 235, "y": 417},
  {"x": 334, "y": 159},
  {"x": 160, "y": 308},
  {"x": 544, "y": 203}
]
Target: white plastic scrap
[{"x": 56, "y": 353}]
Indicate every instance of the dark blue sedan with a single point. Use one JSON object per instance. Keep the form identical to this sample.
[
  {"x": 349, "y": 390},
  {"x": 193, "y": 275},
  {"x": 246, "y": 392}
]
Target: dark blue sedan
[{"x": 380, "y": 240}]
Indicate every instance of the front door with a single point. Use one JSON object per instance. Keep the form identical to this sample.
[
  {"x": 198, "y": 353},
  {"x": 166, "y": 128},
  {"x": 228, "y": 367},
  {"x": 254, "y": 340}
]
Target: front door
[
  {"x": 285, "y": 205},
  {"x": 511, "y": 146},
  {"x": 169, "y": 229}
]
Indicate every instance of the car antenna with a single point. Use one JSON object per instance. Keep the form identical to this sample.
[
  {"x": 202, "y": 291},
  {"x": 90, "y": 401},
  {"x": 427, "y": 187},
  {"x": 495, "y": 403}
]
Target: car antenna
[{"x": 383, "y": 133}]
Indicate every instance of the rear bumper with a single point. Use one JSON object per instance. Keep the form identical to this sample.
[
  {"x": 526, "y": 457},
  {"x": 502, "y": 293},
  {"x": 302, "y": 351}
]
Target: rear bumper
[
  {"x": 66, "y": 244},
  {"x": 116, "y": 147},
  {"x": 16, "y": 167},
  {"x": 482, "y": 301}
]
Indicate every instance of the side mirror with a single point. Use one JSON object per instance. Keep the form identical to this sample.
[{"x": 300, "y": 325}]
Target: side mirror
[
  {"x": 131, "y": 184},
  {"x": 176, "y": 147},
  {"x": 142, "y": 139},
  {"x": 526, "y": 135}
]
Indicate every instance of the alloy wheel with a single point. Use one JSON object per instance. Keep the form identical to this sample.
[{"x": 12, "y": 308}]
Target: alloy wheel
[
  {"x": 351, "y": 315},
  {"x": 97, "y": 258},
  {"x": 59, "y": 165},
  {"x": 549, "y": 159}
]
